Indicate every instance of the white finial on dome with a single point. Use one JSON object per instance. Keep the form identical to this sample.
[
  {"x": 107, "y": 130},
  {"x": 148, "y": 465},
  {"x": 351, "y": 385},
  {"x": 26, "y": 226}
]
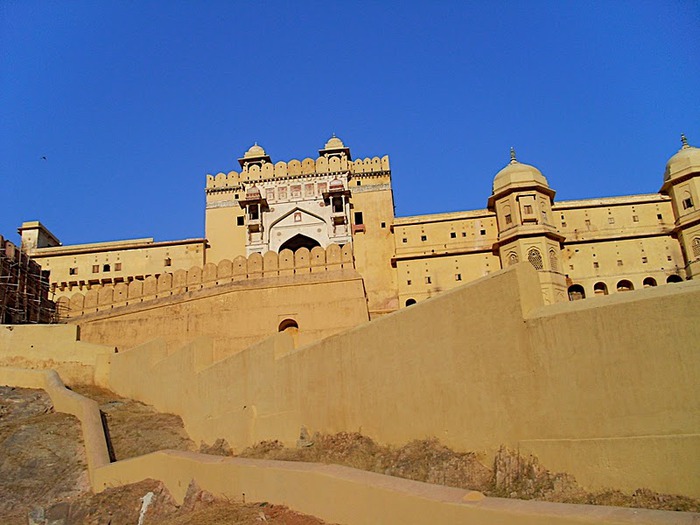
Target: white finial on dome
[
  {"x": 684, "y": 141},
  {"x": 513, "y": 160}
]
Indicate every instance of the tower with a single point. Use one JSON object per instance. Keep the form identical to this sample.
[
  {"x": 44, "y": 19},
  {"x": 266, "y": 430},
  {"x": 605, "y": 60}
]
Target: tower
[
  {"x": 522, "y": 201},
  {"x": 682, "y": 184}
]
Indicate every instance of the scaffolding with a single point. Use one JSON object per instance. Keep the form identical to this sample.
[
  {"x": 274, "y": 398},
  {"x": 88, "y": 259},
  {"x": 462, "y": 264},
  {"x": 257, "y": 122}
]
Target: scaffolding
[{"x": 24, "y": 289}]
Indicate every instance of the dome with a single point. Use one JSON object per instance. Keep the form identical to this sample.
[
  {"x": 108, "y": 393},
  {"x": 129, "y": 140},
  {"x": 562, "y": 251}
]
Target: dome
[
  {"x": 334, "y": 143},
  {"x": 336, "y": 184},
  {"x": 517, "y": 173},
  {"x": 252, "y": 193},
  {"x": 686, "y": 160},
  {"x": 254, "y": 152}
]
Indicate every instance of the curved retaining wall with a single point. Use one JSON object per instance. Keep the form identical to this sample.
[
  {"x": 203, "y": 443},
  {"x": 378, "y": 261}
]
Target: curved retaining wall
[{"x": 367, "y": 498}]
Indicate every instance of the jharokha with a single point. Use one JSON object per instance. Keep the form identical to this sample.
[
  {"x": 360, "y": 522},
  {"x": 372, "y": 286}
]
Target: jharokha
[{"x": 293, "y": 209}]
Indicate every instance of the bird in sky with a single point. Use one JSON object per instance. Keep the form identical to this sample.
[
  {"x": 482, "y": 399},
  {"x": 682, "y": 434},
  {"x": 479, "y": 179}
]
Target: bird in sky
[{"x": 43, "y": 158}]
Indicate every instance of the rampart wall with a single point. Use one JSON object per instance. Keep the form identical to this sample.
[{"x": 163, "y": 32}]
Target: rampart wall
[
  {"x": 368, "y": 498},
  {"x": 298, "y": 168},
  {"x": 611, "y": 398},
  {"x": 235, "y": 303}
]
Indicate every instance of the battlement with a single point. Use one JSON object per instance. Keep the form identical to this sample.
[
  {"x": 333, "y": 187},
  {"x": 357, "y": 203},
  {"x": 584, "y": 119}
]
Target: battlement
[
  {"x": 308, "y": 167},
  {"x": 256, "y": 266}
]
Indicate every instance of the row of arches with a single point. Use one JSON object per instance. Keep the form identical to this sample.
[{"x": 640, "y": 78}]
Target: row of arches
[{"x": 577, "y": 291}]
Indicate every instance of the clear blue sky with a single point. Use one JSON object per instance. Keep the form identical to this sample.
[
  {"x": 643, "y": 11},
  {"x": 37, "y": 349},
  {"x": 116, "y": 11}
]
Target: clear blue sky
[{"x": 133, "y": 102}]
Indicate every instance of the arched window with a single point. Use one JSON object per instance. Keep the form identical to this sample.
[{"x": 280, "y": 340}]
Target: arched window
[
  {"x": 288, "y": 324},
  {"x": 625, "y": 286},
  {"x": 512, "y": 258},
  {"x": 674, "y": 279},
  {"x": 600, "y": 288},
  {"x": 696, "y": 247},
  {"x": 649, "y": 281},
  {"x": 576, "y": 292},
  {"x": 409, "y": 302},
  {"x": 553, "y": 263},
  {"x": 535, "y": 258}
]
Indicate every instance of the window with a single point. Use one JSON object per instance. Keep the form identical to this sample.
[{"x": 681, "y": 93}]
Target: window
[
  {"x": 635, "y": 218},
  {"x": 674, "y": 279},
  {"x": 253, "y": 212},
  {"x": 105, "y": 268},
  {"x": 644, "y": 260},
  {"x": 649, "y": 282},
  {"x": 72, "y": 271},
  {"x": 527, "y": 208},
  {"x": 595, "y": 264},
  {"x": 427, "y": 279},
  {"x": 423, "y": 238},
  {"x": 659, "y": 216},
  {"x": 383, "y": 225},
  {"x": 239, "y": 221},
  {"x": 600, "y": 288},
  {"x": 619, "y": 262},
  {"x": 563, "y": 225},
  {"x": 297, "y": 216},
  {"x": 535, "y": 258},
  {"x": 404, "y": 240},
  {"x": 288, "y": 324},
  {"x": 359, "y": 183},
  {"x": 322, "y": 187},
  {"x": 553, "y": 263},
  {"x": 669, "y": 258},
  {"x": 687, "y": 203},
  {"x": 270, "y": 194},
  {"x": 587, "y": 222},
  {"x": 296, "y": 191},
  {"x": 483, "y": 232},
  {"x": 95, "y": 268},
  {"x": 118, "y": 267},
  {"x": 168, "y": 262},
  {"x": 358, "y": 216},
  {"x": 337, "y": 205},
  {"x": 624, "y": 286},
  {"x": 282, "y": 192},
  {"x": 458, "y": 277},
  {"x": 309, "y": 190},
  {"x": 453, "y": 235},
  {"x": 696, "y": 247},
  {"x": 576, "y": 292},
  {"x": 408, "y": 282},
  {"x": 464, "y": 234},
  {"x": 236, "y": 196},
  {"x": 509, "y": 219},
  {"x": 409, "y": 302},
  {"x": 611, "y": 220},
  {"x": 512, "y": 258}
]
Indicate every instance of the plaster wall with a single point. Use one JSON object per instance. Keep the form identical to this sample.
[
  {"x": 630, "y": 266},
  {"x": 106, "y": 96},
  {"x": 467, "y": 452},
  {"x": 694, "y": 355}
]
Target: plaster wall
[
  {"x": 605, "y": 390},
  {"x": 237, "y": 314},
  {"x": 51, "y": 347}
]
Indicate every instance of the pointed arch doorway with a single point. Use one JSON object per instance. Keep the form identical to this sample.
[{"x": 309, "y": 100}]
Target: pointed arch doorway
[{"x": 299, "y": 241}]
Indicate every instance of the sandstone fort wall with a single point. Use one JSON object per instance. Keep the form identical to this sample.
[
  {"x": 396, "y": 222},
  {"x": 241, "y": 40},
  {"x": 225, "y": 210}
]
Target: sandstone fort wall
[{"x": 616, "y": 406}]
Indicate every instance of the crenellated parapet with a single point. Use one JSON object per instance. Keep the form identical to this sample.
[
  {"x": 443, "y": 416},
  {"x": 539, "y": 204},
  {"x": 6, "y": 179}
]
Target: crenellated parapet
[
  {"x": 322, "y": 166},
  {"x": 239, "y": 270}
]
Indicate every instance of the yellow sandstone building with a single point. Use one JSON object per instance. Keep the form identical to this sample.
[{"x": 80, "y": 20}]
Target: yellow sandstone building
[
  {"x": 580, "y": 248},
  {"x": 291, "y": 316}
]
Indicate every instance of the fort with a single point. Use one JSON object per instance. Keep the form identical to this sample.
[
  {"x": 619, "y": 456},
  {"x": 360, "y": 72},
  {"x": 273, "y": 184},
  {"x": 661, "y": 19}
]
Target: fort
[{"x": 566, "y": 330}]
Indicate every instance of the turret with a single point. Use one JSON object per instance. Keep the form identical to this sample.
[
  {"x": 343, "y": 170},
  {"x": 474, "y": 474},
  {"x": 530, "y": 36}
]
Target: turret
[
  {"x": 522, "y": 201},
  {"x": 682, "y": 184}
]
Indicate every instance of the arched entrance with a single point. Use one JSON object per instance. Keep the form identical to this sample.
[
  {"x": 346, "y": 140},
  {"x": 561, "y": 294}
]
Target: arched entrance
[
  {"x": 409, "y": 302},
  {"x": 674, "y": 279},
  {"x": 299, "y": 241}
]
